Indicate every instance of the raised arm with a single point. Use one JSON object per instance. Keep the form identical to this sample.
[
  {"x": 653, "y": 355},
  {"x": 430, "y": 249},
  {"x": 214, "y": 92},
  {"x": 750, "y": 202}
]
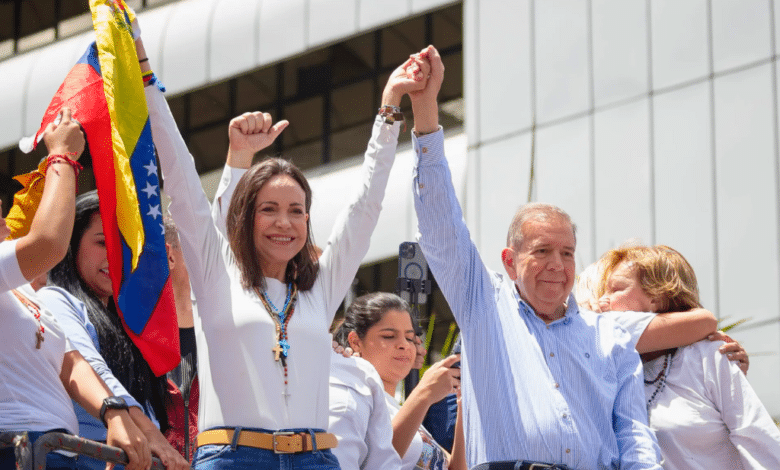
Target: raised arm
[
  {"x": 205, "y": 250},
  {"x": 425, "y": 105},
  {"x": 444, "y": 237},
  {"x": 352, "y": 229},
  {"x": 44, "y": 245}
]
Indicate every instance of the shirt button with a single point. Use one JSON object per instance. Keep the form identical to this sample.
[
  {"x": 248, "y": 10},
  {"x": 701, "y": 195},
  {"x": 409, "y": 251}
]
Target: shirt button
[
  {"x": 568, "y": 451},
  {"x": 557, "y": 385},
  {"x": 422, "y": 186},
  {"x": 564, "y": 416},
  {"x": 552, "y": 354},
  {"x": 425, "y": 150}
]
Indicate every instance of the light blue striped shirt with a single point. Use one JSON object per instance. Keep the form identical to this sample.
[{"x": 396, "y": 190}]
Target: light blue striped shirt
[{"x": 569, "y": 392}]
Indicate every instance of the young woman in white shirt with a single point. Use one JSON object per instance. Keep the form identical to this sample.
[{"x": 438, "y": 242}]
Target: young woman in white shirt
[
  {"x": 40, "y": 369},
  {"x": 265, "y": 301},
  {"x": 703, "y": 410},
  {"x": 379, "y": 328}
]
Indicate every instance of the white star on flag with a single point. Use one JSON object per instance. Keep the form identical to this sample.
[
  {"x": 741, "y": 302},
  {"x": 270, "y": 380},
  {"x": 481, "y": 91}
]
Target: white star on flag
[
  {"x": 150, "y": 189},
  {"x": 154, "y": 210},
  {"x": 151, "y": 168}
]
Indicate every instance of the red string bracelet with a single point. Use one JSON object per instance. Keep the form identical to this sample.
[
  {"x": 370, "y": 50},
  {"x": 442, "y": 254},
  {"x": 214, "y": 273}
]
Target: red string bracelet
[{"x": 59, "y": 158}]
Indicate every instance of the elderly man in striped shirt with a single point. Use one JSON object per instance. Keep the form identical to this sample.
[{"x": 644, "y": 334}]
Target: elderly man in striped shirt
[{"x": 545, "y": 384}]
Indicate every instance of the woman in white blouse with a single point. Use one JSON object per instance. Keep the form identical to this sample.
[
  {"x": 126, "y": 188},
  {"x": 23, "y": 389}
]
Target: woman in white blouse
[
  {"x": 703, "y": 410},
  {"x": 40, "y": 371},
  {"x": 379, "y": 328},
  {"x": 265, "y": 302}
]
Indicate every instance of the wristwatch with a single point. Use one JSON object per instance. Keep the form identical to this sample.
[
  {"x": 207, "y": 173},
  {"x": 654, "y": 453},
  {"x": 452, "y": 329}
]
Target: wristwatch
[{"x": 112, "y": 403}]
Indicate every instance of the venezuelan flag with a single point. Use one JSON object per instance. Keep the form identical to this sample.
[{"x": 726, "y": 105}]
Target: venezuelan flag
[
  {"x": 129, "y": 189},
  {"x": 105, "y": 93}
]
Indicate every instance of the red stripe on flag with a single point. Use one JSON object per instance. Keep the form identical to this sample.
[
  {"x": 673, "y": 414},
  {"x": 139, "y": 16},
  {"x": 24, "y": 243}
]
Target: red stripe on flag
[{"x": 160, "y": 350}]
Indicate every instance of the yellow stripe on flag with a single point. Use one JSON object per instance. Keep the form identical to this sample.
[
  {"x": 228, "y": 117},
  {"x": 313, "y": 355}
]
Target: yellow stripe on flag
[{"x": 126, "y": 106}]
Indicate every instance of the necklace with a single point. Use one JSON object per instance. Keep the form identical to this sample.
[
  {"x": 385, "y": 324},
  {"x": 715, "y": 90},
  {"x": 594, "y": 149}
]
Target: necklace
[
  {"x": 659, "y": 381},
  {"x": 281, "y": 319},
  {"x": 36, "y": 311}
]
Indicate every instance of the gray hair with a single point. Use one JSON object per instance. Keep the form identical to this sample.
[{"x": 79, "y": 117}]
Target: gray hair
[
  {"x": 171, "y": 232},
  {"x": 539, "y": 212}
]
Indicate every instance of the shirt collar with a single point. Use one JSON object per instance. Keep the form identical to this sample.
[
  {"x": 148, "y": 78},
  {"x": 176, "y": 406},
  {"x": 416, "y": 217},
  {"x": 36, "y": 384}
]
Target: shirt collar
[{"x": 572, "y": 308}]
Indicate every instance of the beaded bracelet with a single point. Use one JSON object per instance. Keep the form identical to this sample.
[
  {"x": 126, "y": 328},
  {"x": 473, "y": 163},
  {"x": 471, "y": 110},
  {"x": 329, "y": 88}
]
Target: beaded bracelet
[{"x": 59, "y": 158}]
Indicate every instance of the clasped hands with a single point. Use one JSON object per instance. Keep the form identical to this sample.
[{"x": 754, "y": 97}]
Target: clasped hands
[{"x": 420, "y": 76}]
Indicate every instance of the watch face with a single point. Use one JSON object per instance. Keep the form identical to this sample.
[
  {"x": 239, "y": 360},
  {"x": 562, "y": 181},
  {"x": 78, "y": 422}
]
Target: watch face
[{"x": 112, "y": 403}]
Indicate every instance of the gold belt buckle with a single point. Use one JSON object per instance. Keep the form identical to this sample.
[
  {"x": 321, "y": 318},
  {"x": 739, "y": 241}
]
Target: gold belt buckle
[{"x": 277, "y": 434}]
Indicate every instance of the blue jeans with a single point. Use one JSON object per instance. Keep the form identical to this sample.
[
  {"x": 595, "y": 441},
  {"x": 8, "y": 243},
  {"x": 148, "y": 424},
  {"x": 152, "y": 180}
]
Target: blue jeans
[
  {"x": 219, "y": 457},
  {"x": 54, "y": 461}
]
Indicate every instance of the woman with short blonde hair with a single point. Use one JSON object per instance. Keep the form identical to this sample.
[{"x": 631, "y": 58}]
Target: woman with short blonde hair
[{"x": 703, "y": 410}]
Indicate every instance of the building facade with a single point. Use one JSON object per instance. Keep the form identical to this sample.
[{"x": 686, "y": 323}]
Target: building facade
[{"x": 652, "y": 120}]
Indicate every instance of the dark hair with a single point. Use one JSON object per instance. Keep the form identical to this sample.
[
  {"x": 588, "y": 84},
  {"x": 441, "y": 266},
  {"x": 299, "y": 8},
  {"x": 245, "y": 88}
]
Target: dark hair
[
  {"x": 303, "y": 267},
  {"x": 121, "y": 355},
  {"x": 365, "y": 312}
]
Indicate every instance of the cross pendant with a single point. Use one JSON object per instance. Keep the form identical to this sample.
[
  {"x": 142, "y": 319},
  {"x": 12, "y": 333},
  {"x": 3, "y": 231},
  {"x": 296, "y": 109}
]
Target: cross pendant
[
  {"x": 38, "y": 339},
  {"x": 277, "y": 350}
]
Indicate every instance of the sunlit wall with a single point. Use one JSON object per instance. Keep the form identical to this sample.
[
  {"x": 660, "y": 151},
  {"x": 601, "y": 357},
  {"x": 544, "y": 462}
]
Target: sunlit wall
[{"x": 650, "y": 120}]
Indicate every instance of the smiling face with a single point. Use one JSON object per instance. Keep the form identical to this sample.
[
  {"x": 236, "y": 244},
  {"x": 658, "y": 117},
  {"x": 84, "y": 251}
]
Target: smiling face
[
  {"x": 280, "y": 227},
  {"x": 623, "y": 292},
  {"x": 92, "y": 261},
  {"x": 543, "y": 265},
  {"x": 389, "y": 346}
]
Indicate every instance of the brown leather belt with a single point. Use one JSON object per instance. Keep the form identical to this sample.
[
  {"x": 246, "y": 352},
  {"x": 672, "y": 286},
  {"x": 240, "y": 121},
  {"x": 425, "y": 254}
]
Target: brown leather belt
[{"x": 281, "y": 442}]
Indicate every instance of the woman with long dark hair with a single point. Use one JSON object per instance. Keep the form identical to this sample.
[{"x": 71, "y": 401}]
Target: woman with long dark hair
[{"x": 80, "y": 296}]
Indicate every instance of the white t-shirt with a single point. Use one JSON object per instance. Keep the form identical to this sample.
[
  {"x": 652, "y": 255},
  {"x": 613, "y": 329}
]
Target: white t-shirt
[
  {"x": 707, "y": 416},
  {"x": 359, "y": 416},
  {"x": 32, "y": 397}
]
